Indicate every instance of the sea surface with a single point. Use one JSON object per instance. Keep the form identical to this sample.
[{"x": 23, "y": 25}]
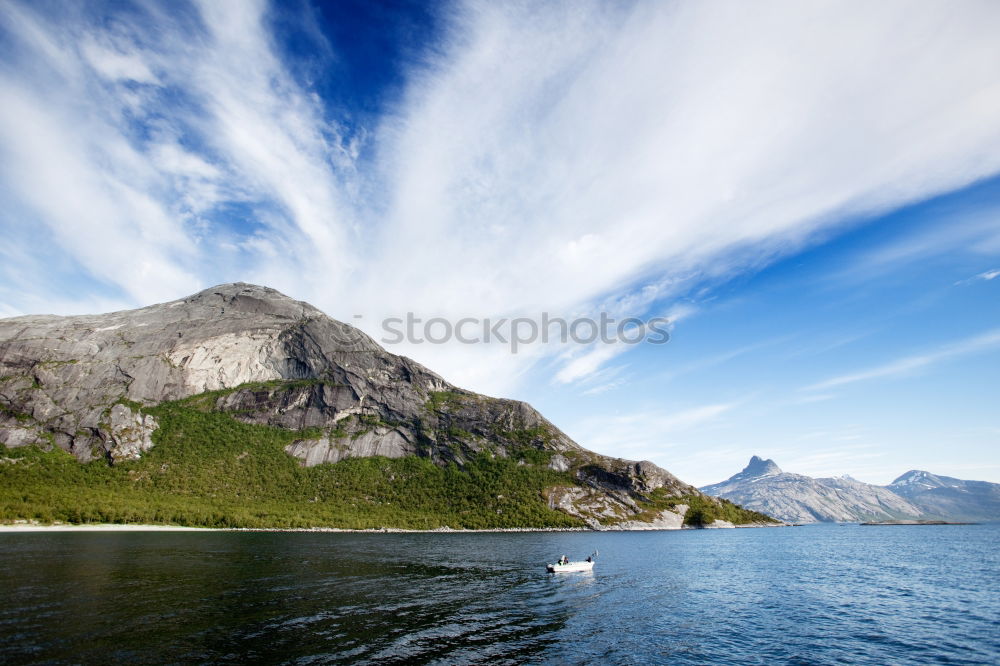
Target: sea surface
[{"x": 802, "y": 595}]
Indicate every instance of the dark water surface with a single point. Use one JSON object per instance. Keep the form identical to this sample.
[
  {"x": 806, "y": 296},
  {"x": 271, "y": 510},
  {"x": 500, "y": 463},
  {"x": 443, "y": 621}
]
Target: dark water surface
[{"x": 824, "y": 594}]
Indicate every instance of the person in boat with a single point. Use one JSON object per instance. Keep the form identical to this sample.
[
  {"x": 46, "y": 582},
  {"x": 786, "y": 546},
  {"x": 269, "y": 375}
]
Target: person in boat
[
  {"x": 563, "y": 560},
  {"x": 590, "y": 558}
]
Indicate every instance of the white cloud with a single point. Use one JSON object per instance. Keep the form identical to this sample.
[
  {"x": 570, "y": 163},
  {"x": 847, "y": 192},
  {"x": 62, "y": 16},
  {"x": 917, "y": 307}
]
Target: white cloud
[
  {"x": 909, "y": 364},
  {"x": 115, "y": 65},
  {"x": 647, "y": 434},
  {"x": 106, "y": 219},
  {"x": 985, "y": 276},
  {"x": 560, "y": 157},
  {"x": 816, "y": 397},
  {"x": 970, "y": 231},
  {"x": 556, "y": 155},
  {"x": 861, "y": 461},
  {"x": 592, "y": 358},
  {"x": 604, "y": 380},
  {"x": 604, "y": 388},
  {"x": 589, "y": 362},
  {"x": 276, "y": 140}
]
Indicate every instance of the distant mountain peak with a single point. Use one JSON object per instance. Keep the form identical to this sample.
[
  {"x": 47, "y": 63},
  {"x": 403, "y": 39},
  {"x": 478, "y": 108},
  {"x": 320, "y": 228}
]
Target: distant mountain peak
[
  {"x": 913, "y": 476},
  {"x": 948, "y": 497},
  {"x": 758, "y": 467},
  {"x": 917, "y": 494},
  {"x": 798, "y": 498}
]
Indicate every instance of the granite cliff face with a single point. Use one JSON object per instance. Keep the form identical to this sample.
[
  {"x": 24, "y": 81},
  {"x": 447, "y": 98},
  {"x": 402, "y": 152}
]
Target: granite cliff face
[
  {"x": 948, "y": 498},
  {"x": 80, "y": 383},
  {"x": 796, "y": 498}
]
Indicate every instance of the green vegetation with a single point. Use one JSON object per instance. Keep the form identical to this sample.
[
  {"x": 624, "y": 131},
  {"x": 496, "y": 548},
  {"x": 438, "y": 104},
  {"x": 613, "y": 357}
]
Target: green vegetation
[
  {"x": 206, "y": 401},
  {"x": 20, "y": 416},
  {"x": 131, "y": 404},
  {"x": 532, "y": 456},
  {"x": 438, "y": 400},
  {"x": 702, "y": 510},
  {"x": 455, "y": 432},
  {"x": 209, "y": 469},
  {"x": 527, "y": 436},
  {"x": 56, "y": 364}
]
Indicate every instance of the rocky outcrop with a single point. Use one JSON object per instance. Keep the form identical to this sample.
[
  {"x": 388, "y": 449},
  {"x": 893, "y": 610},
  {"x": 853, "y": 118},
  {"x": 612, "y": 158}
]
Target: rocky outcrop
[
  {"x": 60, "y": 375},
  {"x": 128, "y": 433},
  {"x": 666, "y": 520},
  {"x": 80, "y": 383},
  {"x": 948, "y": 498},
  {"x": 796, "y": 498}
]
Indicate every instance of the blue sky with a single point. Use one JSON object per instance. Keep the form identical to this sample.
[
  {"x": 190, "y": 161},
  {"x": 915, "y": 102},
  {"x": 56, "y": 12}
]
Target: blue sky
[{"x": 809, "y": 190}]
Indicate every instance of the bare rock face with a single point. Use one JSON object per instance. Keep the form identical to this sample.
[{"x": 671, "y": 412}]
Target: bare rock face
[
  {"x": 643, "y": 476},
  {"x": 591, "y": 505},
  {"x": 129, "y": 433},
  {"x": 796, "y": 498},
  {"x": 666, "y": 520},
  {"x": 949, "y": 498},
  {"x": 61, "y": 375},
  {"x": 327, "y": 449},
  {"x": 79, "y": 383},
  {"x": 14, "y": 435}
]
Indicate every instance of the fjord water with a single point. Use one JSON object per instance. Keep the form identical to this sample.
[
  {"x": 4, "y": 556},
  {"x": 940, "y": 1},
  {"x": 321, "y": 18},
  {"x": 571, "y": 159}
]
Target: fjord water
[{"x": 819, "y": 594}]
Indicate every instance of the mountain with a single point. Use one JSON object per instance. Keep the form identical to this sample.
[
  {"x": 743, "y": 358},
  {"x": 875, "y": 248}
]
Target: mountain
[
  {"x": 795, "y": 498},
  {"x": 757, "y": 468},
  {"x": 949, "y": 498},
  {"x": 241, "y": 406}
]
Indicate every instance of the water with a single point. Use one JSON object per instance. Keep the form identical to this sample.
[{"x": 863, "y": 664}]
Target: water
[{"x": 823, "y": 594}]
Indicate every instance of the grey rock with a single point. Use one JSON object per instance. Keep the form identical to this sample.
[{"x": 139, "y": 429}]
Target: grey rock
[
  {"x": 17, "y": 435},
  {"x": 559, "y": 463},
  {"x": 796, "y": 498},
  {"x": 128, "y": 433},
  {"x": 948, "y": 498},
  {"x": 666, "y": 520},
  {"x": 330, "y": 449},
  {"x": 78, "y": 383}
]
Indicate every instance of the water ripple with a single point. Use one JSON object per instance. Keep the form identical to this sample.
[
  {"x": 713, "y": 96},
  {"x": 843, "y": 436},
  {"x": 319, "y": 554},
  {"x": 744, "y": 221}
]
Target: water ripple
[{"x": 817, "y": 595}]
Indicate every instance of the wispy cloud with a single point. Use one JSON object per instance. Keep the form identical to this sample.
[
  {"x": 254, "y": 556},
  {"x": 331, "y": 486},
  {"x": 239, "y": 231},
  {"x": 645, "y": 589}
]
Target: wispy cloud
[
  {"x": 586, "y": 361},
  {"x": 966, "y": 231},
  {"x": 909, "y": 364},
  {"x": 985, "y": 276},
  {"x": 151, "y": 136},
  {"x": 606, "y": 379},
  {"x": 715, "y": 360},
  {"x": 815, "y": 397},
  {"x": 728, "y": 159},
  {"x": 647, "y": 434},
  {"x": 549, "y": 156}
]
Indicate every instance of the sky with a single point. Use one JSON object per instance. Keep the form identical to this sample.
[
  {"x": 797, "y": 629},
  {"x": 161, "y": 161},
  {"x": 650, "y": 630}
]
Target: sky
[{"x": 808, "y": 192}]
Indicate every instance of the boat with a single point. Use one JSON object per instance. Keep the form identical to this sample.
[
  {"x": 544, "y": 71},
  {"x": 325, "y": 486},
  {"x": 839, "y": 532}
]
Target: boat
[{"x": 571, "y": 567}]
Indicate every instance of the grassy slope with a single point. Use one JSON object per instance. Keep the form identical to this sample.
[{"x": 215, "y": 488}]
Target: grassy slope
[
  {"x": 702, "y": 510},
  {"x": 208, "y": 469}
]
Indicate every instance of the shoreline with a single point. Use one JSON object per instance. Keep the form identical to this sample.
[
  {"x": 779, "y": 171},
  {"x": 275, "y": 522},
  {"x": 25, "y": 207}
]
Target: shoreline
[
  {"x": 895, "y": 523},
  {"x": 129, "y": 527},
  {"x": 10, "y": 528},
  {"x": 101, "y": 527}
]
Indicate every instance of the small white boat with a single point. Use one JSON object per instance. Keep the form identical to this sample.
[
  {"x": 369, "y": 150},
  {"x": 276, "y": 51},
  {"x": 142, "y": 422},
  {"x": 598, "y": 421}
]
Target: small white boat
[
  {"x": 564, "y": 566},
  {"x": 570, "y": 567}
]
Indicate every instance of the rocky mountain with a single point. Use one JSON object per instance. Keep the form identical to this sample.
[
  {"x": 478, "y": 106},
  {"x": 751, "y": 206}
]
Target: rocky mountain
[
  {"x": 762, "y": 486},
  {"x": 96, "y": 386},
  {"x": 949, "y": 498}
]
